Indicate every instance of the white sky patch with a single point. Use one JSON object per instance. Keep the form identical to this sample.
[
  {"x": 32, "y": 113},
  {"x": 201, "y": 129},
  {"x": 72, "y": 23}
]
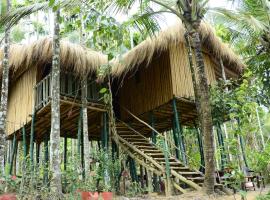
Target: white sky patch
[{"x": 170, "y": 19}]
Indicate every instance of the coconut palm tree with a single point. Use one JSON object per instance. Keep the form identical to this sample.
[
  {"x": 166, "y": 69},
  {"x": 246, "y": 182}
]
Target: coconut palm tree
[
  {"x": 4, "y": 95},
  {"x": 191, "y": 13},
  {"x": 55, "y": 158}
]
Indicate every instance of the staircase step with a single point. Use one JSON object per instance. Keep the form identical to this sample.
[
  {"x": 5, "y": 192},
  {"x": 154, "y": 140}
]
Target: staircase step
[
  {"x": 156, "y": 155},
  {"x": 190, "y": 173},
  {"x": 144, "y": 143},
  {"x": 163, "y": 159},
  {"x": 131, "y": 135},
  {"x": 144, "y": 147},
  {"x": 196, "y": 179},
  {"x": 152, "y": 151},
  {"x": 176, "y": 168}
]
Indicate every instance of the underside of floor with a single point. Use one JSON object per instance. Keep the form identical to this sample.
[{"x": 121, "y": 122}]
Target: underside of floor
[{"x": 70, "y": 111}]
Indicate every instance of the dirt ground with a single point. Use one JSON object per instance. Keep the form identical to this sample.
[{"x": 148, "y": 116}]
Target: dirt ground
[{"x": 251, "y": 195}]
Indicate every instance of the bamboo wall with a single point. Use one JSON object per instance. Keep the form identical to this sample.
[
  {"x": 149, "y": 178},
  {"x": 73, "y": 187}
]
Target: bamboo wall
[
  {"x": 20, "y": 100},
  {"x": 181, "y": 75},
  {"x": 149, "y": 89}
]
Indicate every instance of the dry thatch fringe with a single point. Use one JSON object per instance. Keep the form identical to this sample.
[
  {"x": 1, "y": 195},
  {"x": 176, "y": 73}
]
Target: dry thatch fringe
[
  {"x": 144, "y": 52},
  {"x": 73, "y": 57}
]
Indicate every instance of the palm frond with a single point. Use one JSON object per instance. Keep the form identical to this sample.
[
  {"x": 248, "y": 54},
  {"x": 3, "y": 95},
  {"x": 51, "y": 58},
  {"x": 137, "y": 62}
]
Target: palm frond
[
  {"x": 12, "y": 18},
  {"x": 148, "y": 21}
]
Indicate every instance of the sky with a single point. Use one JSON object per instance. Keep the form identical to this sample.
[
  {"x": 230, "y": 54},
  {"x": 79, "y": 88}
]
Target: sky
[{"x": 170, "y": 19}]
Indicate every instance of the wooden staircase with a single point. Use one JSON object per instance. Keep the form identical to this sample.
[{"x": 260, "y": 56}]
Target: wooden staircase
[{"x": 152, "y": 158}]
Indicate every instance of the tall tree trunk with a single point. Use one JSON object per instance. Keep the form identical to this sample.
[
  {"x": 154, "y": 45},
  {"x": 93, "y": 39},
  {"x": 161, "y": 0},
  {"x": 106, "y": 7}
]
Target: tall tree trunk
[
  {"x": 4, "y": 98},
  {"x": 204, "y": 114},
  {"x": 86, "y": 144},
  {"x": 56, "y": 187},
  {"x": 85, "y": 128}
]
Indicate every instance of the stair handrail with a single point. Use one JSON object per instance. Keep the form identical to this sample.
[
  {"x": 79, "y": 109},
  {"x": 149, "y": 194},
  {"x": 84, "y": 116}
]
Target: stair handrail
[
  {"x": 153, "y": 129},
  {"x": 182, "y": 178}
]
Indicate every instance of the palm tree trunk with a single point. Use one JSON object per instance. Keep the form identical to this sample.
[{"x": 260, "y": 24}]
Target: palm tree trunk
[
  {"x": 205, "y": 115},
  {"x": 4, "y": 97},
  {"x": 56, "y": 187}
]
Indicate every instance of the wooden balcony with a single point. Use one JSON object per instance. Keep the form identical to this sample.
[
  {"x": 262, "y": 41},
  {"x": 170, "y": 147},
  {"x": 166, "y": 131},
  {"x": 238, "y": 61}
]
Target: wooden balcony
[
  {"x": 70, "y": 108},
  {"x": 70, "y": 88}
]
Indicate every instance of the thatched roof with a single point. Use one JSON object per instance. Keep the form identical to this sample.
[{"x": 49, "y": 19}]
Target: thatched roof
[
  {"x": 73, "y": 57},
  {"x": 144, "y": 52}
]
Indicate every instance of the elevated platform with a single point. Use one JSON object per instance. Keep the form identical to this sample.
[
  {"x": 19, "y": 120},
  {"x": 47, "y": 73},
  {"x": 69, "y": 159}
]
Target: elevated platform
[
  {"x": 70, "y": 112},
  {"x": 163, "y": 116}
]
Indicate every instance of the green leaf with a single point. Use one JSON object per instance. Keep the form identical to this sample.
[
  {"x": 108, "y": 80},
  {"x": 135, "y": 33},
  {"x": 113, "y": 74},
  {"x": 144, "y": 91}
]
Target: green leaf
[
  {"x": 51, "y": 3},
  {"x": 103, "y": 90}
]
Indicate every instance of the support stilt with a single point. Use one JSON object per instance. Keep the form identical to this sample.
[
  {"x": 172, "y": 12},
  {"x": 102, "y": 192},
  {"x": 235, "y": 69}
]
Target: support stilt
[
  {"x": 37, "y": 154},
  {"x": 32, "y": 136},
  {"x": 14, "y": 147},
  {"x": 167, "y": 166},
  {"x": 179, "y": 132},
  {"x": 199, "y": 138},
  {"x": 65, "y": 161},
  {"x": 46, "y": 160},
  {"x": 242, "y": 144},
  {"x": 221, "y": 144},
  {"x": 24, "y": 142}
]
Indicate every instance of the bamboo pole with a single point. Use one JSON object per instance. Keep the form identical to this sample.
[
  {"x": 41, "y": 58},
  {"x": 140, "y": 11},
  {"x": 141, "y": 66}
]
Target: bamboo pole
[
  {"x": 32, "y": 132},
  {"x": 46, "y": 161},
  {"x": 14, "y": 146},
  {"x": 221, "y": 144},
  {"x": 65, "y": 161},
  {"x": 200, "y": 142},
  {"x": 260, "y": 127},
  {"x": 167, "y": 167},
  {"x": 228, "y": 146},
  {"x": 24, "y": 142},
  {"x": 242, "y": 144},
  {"x": 179, "y": 132}
]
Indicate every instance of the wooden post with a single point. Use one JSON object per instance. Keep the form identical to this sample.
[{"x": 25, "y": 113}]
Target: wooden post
[
  {"x": 46, "y": 160},
  {"x": 179, "y": 131},
  {"x": 14, "y": 147},
  {"x": 37, "y": 154},
  {"x": 24, "y": 142},
  {"x": 167, "y": 166},
  {"x": 199, "y": 138},
  {"x": 242, "y": 143},
  {"x": 79, "y": 134},
  {"x": 149, "y": 178},
  {"x": 65, "y": 161},
  {"x": 176, "y": 141},
  {"x": 152, "y": 122},
  {"x": 32, "y": 140},
  {"x": 105, "y": 135},
  {"x": 154, "y": 140},
  {"x": 227, "y": 138},
  {"x": 142, "y": 176},
  {"x": 260, "y": 127},
  {"x": 221, "y": 144},
  {"x": 65, "y": 152}
]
